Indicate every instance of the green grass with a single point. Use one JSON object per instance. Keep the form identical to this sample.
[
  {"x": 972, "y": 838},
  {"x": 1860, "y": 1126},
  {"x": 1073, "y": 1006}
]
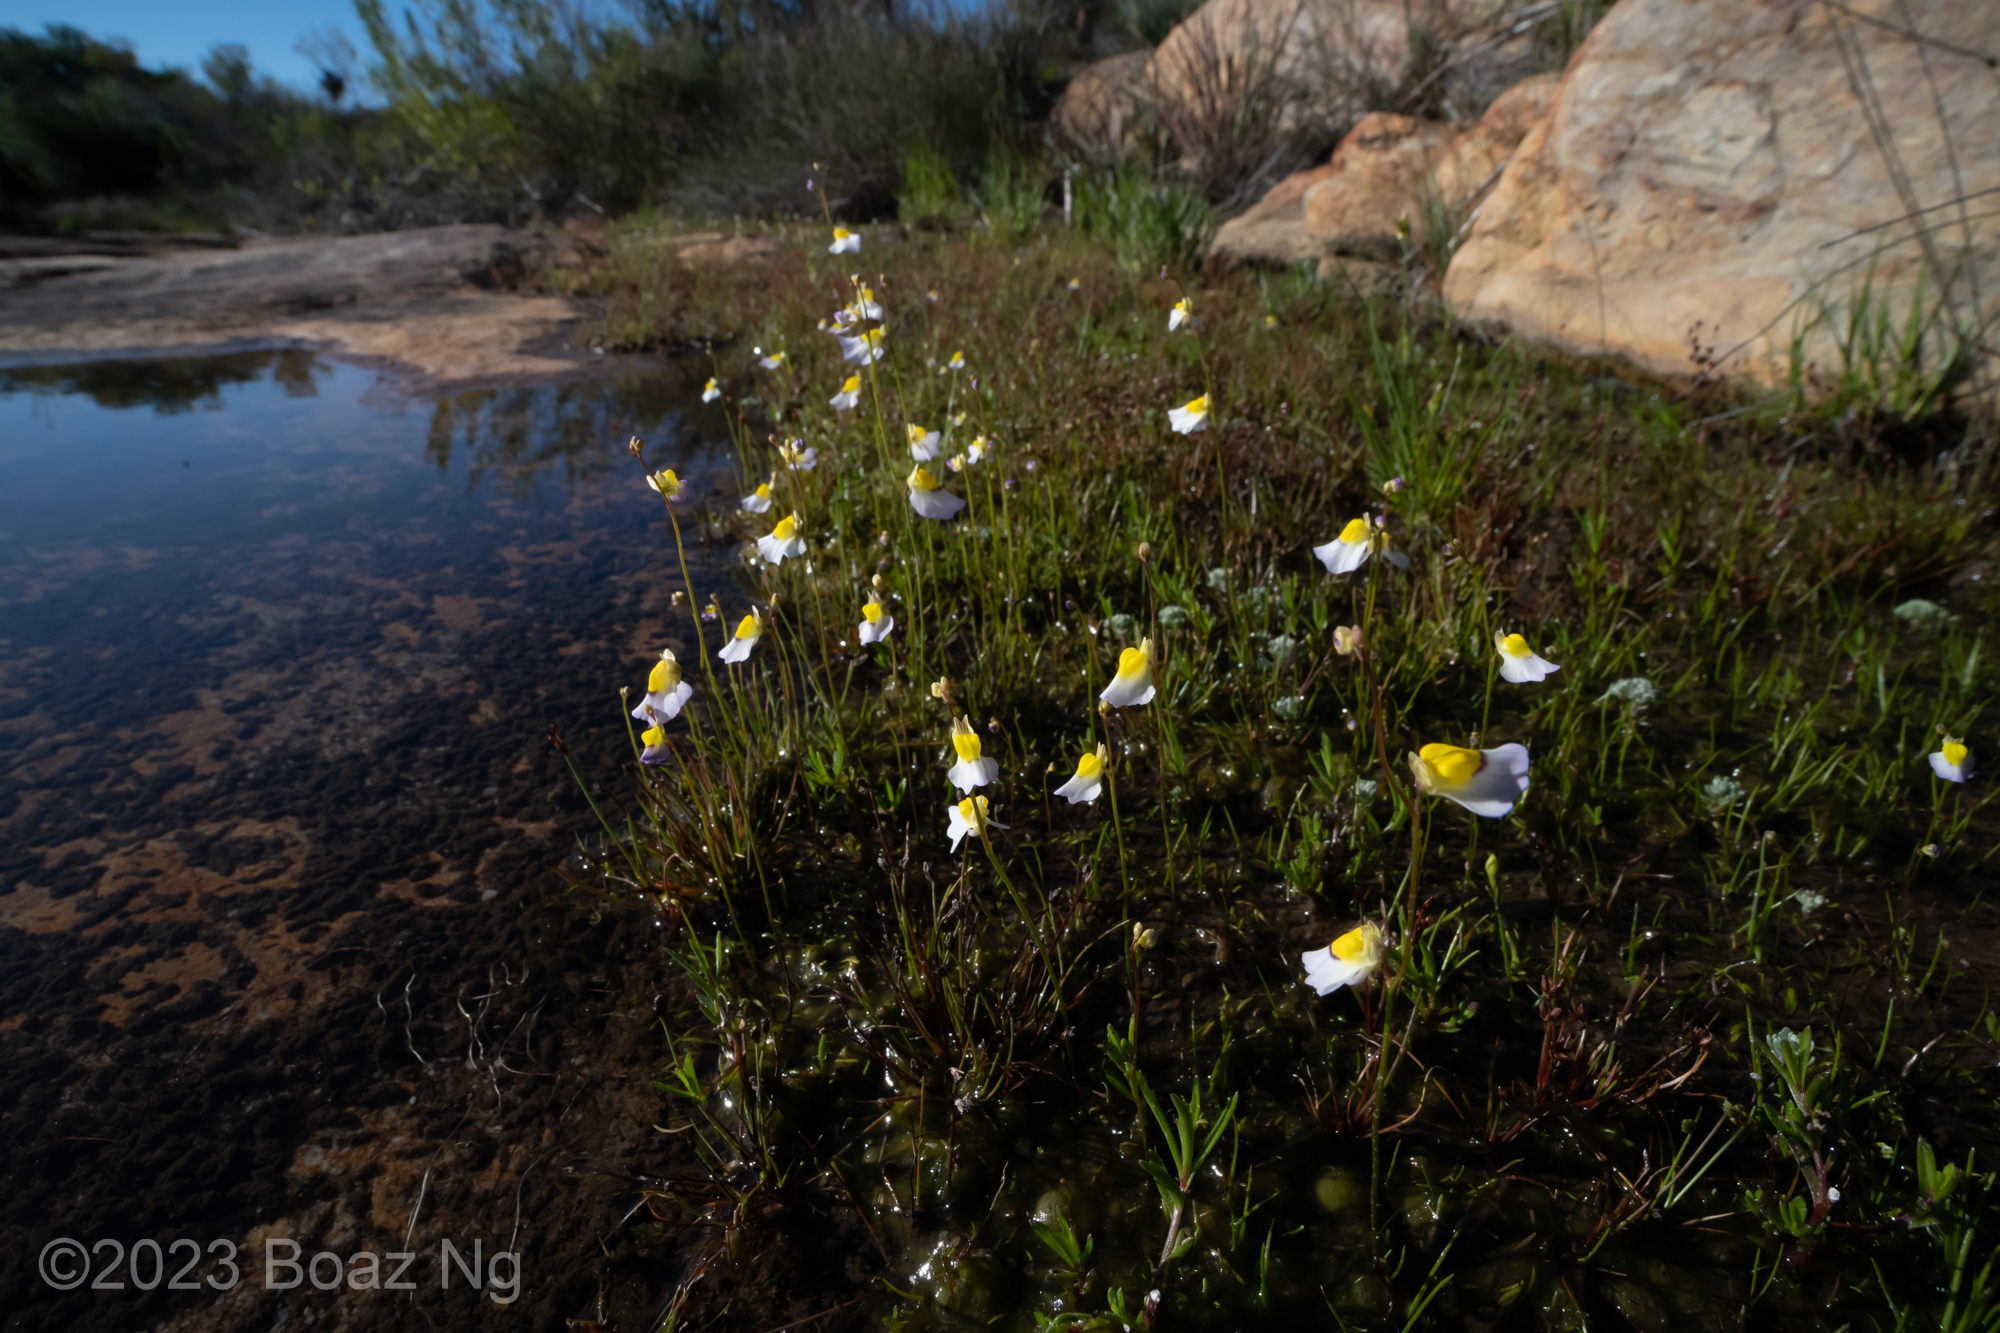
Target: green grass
[{"x": 1728, "y": 957}]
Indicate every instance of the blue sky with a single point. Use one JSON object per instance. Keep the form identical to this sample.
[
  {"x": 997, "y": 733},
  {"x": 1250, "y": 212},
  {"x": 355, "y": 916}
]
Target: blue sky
[{"x": 180, "y": 32}]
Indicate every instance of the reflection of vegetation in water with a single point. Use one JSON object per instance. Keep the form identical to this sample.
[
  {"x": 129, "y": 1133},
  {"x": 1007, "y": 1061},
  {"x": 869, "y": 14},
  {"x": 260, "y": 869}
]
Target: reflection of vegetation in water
[
  {"x": 170, "y": 384},
  {"x": 1698, "y": 1035},
  {"x": 521, "y": 435}
]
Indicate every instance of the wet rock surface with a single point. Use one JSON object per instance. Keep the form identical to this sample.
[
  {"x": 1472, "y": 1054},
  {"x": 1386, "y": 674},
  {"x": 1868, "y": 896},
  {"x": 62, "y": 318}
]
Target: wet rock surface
[{"x": 438, "y": 300}]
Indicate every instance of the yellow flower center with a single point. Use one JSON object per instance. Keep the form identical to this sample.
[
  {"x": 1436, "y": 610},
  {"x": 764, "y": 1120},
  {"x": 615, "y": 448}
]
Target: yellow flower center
[
  {"x": 1954, "y": 754},
  {"x": 1132, "y": 661},
  {"x": 1199, "y": 406},
  {"x": 764, "y": 490},
  {"x": 917, "y": 434},
  {"x": 709, "y": 385},
  {"x": 967, "y": 806},
  {"x": 787, "y": 528},
  {"x": 853, "y": 384},
  {"x": 840, "y": 233},
  {"x": 921, "y": 480},
  {"x": 748, "y": 628},
  {"x": 967, "y": 745},
  {"x": 872, "y": 613},
  {"x": 655, "y": 736},
  {"x": 666, "y": 675},
  {"x": 1183, "y": 305},
  {"x": 1351, "y": 947},
  {"x": 1516, "y": 646},
  {"x": 1356, "y": 532},
  {"x": 1452, "y": 764},
  {"x": 1089, "y": 766}
]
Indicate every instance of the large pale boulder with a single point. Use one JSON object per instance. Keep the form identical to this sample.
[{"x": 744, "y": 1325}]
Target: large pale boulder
[
  {"x": 1100, "y": 109},
  {"x": 1272, "y": 230},
  {"x": 1240, "y": 80},
  {"x": 1389, "y": 168},
  {"x": 1377, "y": 178},
  {"x": 1717, "y": 172}
]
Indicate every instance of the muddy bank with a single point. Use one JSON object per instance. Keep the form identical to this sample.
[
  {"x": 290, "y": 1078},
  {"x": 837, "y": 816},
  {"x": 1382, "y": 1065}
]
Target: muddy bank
[{"x": 439, "y": 301}]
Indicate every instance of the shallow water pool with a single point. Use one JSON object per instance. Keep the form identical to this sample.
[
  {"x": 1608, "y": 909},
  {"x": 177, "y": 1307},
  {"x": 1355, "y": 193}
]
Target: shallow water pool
[{"x": 282, "y": 952}]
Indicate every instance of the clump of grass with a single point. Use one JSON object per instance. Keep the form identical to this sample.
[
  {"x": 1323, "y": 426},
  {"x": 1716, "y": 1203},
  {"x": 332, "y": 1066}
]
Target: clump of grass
[
  {"x": 1681, "y": 1037},
  {"x": 1148, "y": 222}
]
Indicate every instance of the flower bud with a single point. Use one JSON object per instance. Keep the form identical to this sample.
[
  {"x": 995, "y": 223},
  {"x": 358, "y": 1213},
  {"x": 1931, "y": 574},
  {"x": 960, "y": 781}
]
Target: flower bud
[
  {"x": 637, "y": 447},
  {"x": 1145, "y": 552}
]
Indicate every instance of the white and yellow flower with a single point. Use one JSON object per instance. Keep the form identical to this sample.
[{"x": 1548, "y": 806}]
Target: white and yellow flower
[
  {"x": 979, "y": 450},
  {"x": 797, "y": 456},
  {"x": 1348, "y": 961},
  {"x": 782, "y": 541},
  {"x": 969, "y": 816},
  {"x": 1361, "y": 538},
  {"x": 1088, "y": 781},
  {"x": 1076, "y": 284},
  {"x": 1486, "y": 782},
  {"x": 655, "y": 741},
  {"x": 710, "y": 391},
  {"x": 875, "y": 624},
  {"x": 862, "y": 348},
  {"x": 923, "y": 443},
  {"x": 1518, "y": 661},
  {"x": 863, "y": 306},
  {"x": 1183, "y": 311},
  {"x": 1191, "y": 418},
  {"x": 1133, "y": 685},
  {"x": 849, "y": 395},
  {"x": 667, "y": 484},
  {"x": 845, "y": 242},
  {"x": 748, "y": 631},
  {"x": 928, "y": 499},
  {"x": 1952, "y": 761},
  {"x": 665, "y": 691},
  {"x": 771, "y": 362},
  {"x": 971, "y": 770},
  {"x": 957, "y": 362},
  {"x": 956, "y": 462},
  {"x": 1347, "y": 640},
  {"x": 759, "y": 500}
]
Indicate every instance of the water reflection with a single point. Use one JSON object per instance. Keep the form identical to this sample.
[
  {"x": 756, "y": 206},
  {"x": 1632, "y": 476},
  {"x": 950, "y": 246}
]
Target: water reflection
[
  {"x": 171, "y": 384},
  {"x": 278, "y": 653},
  {"x": 518, "y": 436}
]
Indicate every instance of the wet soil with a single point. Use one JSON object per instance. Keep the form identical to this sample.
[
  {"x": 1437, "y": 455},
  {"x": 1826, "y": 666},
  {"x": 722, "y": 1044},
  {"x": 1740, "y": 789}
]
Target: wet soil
[{"x": 283, "y": 949}]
